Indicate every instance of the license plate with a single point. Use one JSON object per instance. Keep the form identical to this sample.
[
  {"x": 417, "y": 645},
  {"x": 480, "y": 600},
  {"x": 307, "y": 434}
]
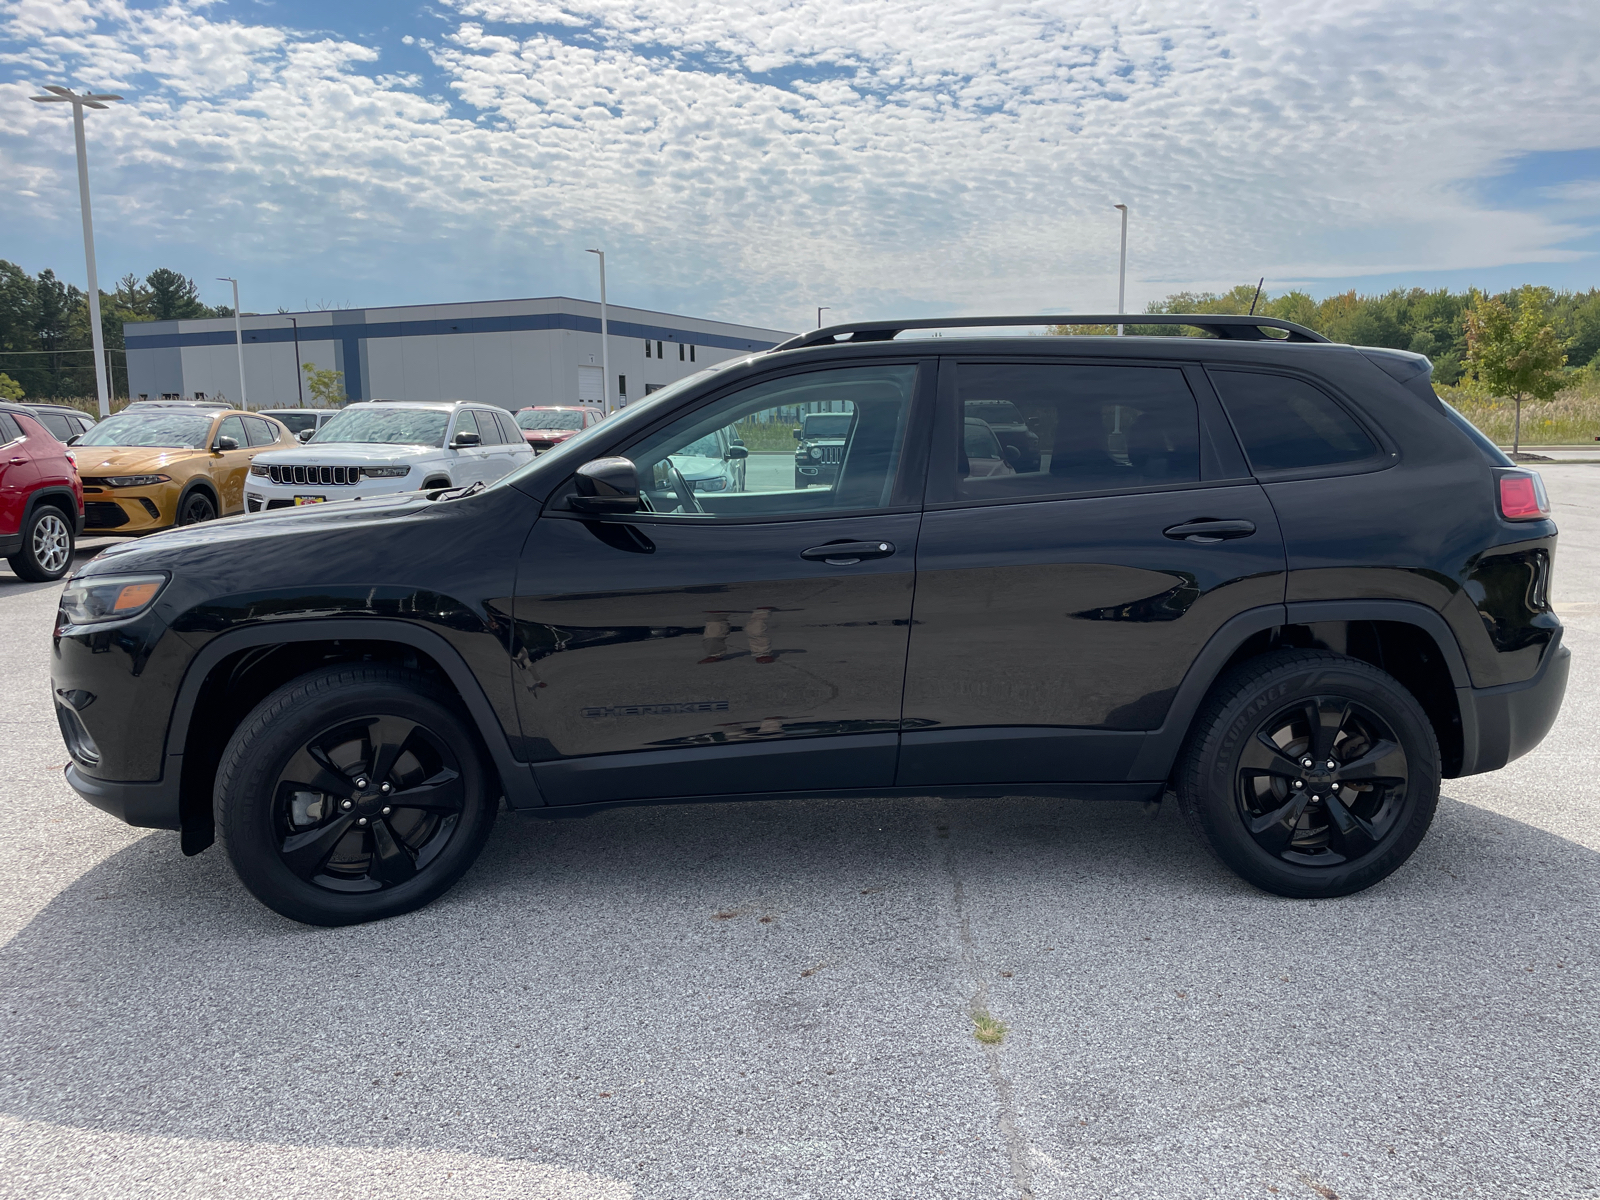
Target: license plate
[{"x": 299, "y": 500}]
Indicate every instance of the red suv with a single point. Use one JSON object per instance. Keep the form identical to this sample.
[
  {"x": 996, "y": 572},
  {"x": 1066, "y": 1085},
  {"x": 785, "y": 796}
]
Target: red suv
[
  {"x": 547, "y": 425},
  {"x": 41, "y": 498}
]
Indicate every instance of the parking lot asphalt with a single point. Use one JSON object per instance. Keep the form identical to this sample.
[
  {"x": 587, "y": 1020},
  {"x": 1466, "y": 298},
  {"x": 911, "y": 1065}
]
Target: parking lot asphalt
[{"x": 776, "y": 1000}]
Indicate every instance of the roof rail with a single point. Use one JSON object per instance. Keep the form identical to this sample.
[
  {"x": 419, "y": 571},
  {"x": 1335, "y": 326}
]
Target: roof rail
[{"x": 1233, "y": 328}]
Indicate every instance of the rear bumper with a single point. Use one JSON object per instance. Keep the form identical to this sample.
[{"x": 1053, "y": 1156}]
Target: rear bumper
[
  {"x": 1500, "y": 724},
  {"x": 147, "y": 805}
]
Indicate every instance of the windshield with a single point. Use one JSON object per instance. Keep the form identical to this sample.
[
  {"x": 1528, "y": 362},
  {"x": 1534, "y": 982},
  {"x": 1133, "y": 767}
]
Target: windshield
[
  {"x": 293, "y": 421},
  {"x": 709, "y": 446},
  {"x": 392, "y": 426},
  {"x": 166, "y": 429},
  {"x": 828, "y": 425},
  {"x": 545, "y": 418}
]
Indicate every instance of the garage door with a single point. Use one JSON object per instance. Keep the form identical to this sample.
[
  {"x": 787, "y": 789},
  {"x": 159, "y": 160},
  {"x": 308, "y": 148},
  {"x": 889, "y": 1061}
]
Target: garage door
[{"x": 590, "y": 384}]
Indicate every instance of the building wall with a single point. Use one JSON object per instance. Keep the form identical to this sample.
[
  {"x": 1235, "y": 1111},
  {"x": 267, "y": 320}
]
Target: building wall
[{"x": 512, "y": 352}]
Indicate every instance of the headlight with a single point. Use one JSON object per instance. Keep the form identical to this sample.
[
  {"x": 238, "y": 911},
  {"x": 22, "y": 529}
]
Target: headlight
[
  {"x": 710, "y": 485},
  {"x": 98, "y": 598},
  {"x": 136, "y": 480},
  {"x": 385, "y": 472},
  {"x": 816, "y": 452},
  {"x": 260, "y": 469}
]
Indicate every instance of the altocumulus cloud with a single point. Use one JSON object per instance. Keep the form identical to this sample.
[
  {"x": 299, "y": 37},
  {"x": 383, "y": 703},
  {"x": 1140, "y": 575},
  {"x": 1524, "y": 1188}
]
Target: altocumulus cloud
[{"x": 744, "y": 156}]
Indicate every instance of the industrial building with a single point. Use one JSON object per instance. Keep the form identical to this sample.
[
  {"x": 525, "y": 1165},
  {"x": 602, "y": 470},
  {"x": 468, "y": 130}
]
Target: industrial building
[{"x": 508, "y": 352}]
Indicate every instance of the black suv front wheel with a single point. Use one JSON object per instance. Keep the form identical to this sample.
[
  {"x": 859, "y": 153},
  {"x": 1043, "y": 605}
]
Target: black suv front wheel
[
  {"x": 1310, "y": 773},
  {"x": 352, "y": 794}
]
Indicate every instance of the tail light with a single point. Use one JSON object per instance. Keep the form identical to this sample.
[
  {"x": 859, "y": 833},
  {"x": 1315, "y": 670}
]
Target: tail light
[
  {"x": 1522, "y": 496},
  {"x": 73, "y": 459}
]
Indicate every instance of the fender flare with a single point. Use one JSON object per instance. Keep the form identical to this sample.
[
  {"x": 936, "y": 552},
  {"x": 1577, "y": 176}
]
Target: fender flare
[
  {"x": 52, "y": 492},
  {"x": 201, "y": 483},
  {"x": 516, "y": 777},
  {"x": 1162, "y": 745}
]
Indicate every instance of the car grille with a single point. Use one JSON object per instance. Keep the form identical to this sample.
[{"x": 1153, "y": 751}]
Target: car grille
[
  {"x": 102, "y": 514},
  {"x": 832, "y": 456},
  {"x": 321, "y": 476}
]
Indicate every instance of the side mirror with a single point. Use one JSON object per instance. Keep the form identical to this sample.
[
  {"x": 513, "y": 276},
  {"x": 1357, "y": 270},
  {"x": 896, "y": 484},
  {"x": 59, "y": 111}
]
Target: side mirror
[
  {"x": 1013, "y": 455},
  {"x": 606, "y": 485},
  {"x": 226, "y": 443},
  {"x": 305, "y": 435},
  {"x": 466, "y": 439},
  {"x": 74, "y": 439},
  {"x": 1035, "y": 423},
  {"x": 737, "y": 452},
  {"x": 798, "y": 434}
]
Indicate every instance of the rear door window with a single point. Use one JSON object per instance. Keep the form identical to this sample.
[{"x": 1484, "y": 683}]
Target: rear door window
[
  {"x": 1287, "y": 424},
  {"x": 10, "y": 431},
  {"x": 1042, "y": 429}
]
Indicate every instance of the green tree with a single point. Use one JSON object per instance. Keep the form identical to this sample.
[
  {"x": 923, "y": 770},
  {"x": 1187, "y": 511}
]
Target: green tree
[
  {"x": 10, "y": 389},
  {"x": 173, "y": 297},
  {"x": 1516, "y": 355},
  {"x": 326, "y": 387}
]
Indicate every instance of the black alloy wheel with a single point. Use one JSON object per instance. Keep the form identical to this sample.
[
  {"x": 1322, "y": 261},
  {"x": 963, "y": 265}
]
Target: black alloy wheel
[
  {"x": 353, "y": 794},
  {"x": 47, "y": 546},
  {"x": 196, "y": 507},
  {"x": 1310, "y": 773}
]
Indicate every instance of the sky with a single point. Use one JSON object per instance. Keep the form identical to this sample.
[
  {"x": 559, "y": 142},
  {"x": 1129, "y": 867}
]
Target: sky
[{"x": 751, "y": 160}]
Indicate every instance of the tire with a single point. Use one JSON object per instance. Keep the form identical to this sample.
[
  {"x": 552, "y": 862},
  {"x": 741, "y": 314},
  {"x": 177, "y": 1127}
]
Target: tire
[
  {"x": 48, "y": 544},
  {"x": 1232, "y": 781},
  {"x": 800, "y": 481},
  {"x": 330, "y": 852},
  {"x": 196, "y": 507}
]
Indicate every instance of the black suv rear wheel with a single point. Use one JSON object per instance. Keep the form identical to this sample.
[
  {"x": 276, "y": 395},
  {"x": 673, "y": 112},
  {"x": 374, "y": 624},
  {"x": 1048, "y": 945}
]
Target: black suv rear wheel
[
  {"x": 1310, "y": 773},
  {"x": 352, "y": 794}
]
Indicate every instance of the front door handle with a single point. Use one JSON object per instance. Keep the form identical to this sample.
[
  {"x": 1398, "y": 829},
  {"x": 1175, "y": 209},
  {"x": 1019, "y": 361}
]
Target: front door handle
[
  {"x": 1209, "y": 530},
  {"x": 844, "y": 554}
]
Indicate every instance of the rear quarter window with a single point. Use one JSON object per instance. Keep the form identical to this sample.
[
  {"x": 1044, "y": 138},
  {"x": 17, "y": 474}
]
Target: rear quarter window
[
  {"x": 1288, "y": 425},
  {"x": 10, "y": 431}
]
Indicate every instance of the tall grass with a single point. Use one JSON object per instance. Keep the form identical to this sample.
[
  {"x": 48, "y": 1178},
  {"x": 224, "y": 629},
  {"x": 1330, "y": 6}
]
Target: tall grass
[{"x": 1571, "y": 419}]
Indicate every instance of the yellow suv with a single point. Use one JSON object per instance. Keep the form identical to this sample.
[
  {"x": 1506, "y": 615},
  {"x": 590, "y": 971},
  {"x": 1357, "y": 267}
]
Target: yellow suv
[{"x": 151, "y": 468}]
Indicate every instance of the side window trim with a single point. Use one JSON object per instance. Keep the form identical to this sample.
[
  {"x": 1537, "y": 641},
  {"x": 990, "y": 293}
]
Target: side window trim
[{"x": 1386, "y": 455}]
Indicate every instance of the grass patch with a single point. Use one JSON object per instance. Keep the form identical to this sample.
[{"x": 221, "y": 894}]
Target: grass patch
[
  {"x": 1571, "y": 419},
  {"x": 987, "y": 1030},
  {"x": 761, "y": 436}
]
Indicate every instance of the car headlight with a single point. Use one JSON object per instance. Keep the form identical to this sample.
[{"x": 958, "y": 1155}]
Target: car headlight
[
  {"x": 95, "y": 598},
  {"x": 710, "y": 485},
  {"x": 385, "y": 472},
  {"x": 260, "y": 469},
  {"x": 816, "y": 452},
  {"x": 136, "y": 480}
]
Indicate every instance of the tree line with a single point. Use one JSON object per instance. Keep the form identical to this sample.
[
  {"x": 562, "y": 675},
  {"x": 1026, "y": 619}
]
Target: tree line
[
  {"x": 46, "y": 347},
  {"x": 1433, "y": 323}
]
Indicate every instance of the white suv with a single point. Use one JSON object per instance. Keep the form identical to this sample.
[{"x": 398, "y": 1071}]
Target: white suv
[{"x": 382, "y": 447}]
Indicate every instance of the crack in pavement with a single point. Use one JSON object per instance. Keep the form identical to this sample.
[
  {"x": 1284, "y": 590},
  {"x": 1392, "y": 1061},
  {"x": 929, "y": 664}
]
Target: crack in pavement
[{"x": 1016, "y": 1143}]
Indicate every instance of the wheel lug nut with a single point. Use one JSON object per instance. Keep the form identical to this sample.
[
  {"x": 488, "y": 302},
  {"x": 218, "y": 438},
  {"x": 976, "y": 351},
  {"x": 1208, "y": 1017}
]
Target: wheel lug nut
[
  {"x": 387, "y": 811},
  {"x": 1299, "y": 783},
  {"x": 387, "y": 788},
  {"x": 1332, "y": 765},
  {"x": 361, "y": 820},
  {"x": 362, "y": 782},
  {"x": 1335, "y": 787},
  {"x": 348, "y": 804},
  {"x": 1305, "y": 762}
]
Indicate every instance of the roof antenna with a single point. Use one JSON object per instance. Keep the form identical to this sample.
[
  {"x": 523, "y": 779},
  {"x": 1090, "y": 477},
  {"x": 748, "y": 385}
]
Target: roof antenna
[{"x": 1257, "y": 296}]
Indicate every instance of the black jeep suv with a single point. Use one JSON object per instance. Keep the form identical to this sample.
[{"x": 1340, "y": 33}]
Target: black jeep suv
[{"x": 1273, "y": 575}]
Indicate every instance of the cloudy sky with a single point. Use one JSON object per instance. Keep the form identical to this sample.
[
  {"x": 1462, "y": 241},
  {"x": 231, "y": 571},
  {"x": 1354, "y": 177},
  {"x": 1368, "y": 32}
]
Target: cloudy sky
[{"x": 752, "y": 159}]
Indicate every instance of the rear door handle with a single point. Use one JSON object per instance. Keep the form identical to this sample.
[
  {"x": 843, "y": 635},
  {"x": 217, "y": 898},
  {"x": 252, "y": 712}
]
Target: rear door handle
[
  {"x": 844, "y": 554},
  {"x": 1207, "y": 530}
]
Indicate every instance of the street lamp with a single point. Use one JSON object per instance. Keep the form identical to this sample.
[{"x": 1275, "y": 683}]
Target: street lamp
[
  {"x": 1122, "y": 269},
  {"x": 238, "y": 338},
  {"x": 820, "y": 311},
  {"x": 61, "y": 95},
  {"x": 605, "y": 349},
  {"x": 299, "y": 389}
]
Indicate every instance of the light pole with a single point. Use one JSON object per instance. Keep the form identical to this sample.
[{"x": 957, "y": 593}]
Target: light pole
[
  {"x": 605, "y": 347},
  {"x": 61, "y": 95},
  {"x": 238, "y": 338},
  {"x": 820, "y": 311},
  {"x": 299, "y": 389},
  {"x": 1122, "y": 269}
]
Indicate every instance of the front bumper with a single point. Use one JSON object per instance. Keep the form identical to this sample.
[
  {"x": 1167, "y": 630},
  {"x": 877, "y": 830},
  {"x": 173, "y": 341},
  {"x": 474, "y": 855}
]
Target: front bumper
[
  {"x": 262, "y": 495},
  {"x": 1501, "y": 724},
  {"x": 146, "y": 805},
  {"x": 130, "y": 510}
]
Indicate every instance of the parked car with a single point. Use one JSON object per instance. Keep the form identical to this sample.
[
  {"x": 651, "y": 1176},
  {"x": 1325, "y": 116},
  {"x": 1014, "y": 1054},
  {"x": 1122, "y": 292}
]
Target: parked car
[
  {"x": 821, "y": 437},
  {"x": 214, "y": 405},
  {"x": 388, "y": 446},
  {"x": 63, "y": 421},
  {"x": 1010, "y": 429},
  {"x": 41, "y": 498},
  {"x": 1296, "y": 590},
  {"x": 715, "y": 462},
  {"x": 546, "y": 425},
  {"x": 985, "y": 455},
  {"x": 150, "y": 468},
  {"x": 300, "y": 420}
]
